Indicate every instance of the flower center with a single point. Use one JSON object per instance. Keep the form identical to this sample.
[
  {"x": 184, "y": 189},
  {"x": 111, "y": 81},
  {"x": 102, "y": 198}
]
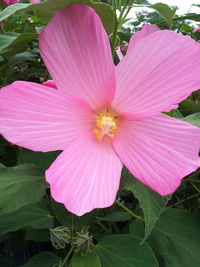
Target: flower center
[{"x": 106, "y": 124}]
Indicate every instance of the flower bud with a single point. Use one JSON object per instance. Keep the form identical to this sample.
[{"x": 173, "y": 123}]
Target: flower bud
[
  {"x": 83, "y": 242},
  {"x": 60, "y": 236}
]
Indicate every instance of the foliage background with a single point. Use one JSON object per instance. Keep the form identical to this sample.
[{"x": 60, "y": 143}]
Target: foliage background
[{"x": 141, "y": 228}]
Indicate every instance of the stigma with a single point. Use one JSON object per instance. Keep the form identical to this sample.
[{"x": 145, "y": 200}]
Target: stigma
[{"x": 106, "y": 124}]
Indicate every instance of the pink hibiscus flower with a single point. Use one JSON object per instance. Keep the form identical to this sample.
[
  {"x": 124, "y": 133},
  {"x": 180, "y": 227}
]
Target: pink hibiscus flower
[
  {"x": 102, "y": 115},
  {"x": 35, "y": 1},
  {"x": 10, "y": 2}
]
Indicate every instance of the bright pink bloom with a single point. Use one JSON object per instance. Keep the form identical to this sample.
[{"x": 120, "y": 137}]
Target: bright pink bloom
[
  {"x": 10, "y": 2},
  {"x": 50, "y": 83},
  {"x": 104, "y": 116},
  {"x": 146, "y": 30},
  {"x": 35, "y": 1},
  {"x": 123, "y": 47},
  {"x": 197, "y": 30},
  {"x": 119, "y": 53},
  {"x": 1, "y": 25}
]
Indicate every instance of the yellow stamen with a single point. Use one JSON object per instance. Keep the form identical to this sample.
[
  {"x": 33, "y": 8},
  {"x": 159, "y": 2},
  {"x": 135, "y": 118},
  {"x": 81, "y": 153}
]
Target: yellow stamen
[{"x": 106, "y": 124}]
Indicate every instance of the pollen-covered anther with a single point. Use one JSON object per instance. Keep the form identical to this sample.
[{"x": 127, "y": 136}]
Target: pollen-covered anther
[{"x": 106, "y": 124}]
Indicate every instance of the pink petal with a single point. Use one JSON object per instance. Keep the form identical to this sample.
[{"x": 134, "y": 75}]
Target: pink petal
[
  {"x": 119, "y": 53},
  {"x": 76, "y": 51},
  {"x": 124, "y": 47},
  {"x": 161, "y": 70},
  {"x": 146, "y": 30},
  {"x": 10, "y": 2},
  {"x": 85, "y": 176},
  {"x": 159, "y": 151},
  {"x": 41, "y": 119},
  {"x": 50, "y": 83}
]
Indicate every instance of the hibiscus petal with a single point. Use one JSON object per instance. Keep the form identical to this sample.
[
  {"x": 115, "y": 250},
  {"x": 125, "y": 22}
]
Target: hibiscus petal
[
  {"x": 41, "y": 119},
  {"x": 161, "y": 70},
  {"x": 159, "y": 151},
  {"x": 146, "y": 30},
  {"x": 85, "y": 176},
  {"x": 119, "y": 53},
  {"x": 76, "y": 51},
  {"x": 50, "y": 83}
]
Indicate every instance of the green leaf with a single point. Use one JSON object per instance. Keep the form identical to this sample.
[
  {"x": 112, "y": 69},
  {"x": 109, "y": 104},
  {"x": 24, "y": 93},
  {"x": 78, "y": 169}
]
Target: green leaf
[
  {"x": 20, "y": 186},
  {"x": 117, "y": 216},
  {"x": 7, "y": 261},
  {"x": 193, "y": 119},
  {"x": 188, "y": 16},
  {"x": 7, "y": 236},
  {"x": 165, "y": 11},
  {"x": 189, "y": 105},
  {"x": 91, "y": 259},
  {"x": 186, "y": 28},
  {"x": 139, "y": 2},
  {"x": 44, "y": 15},
  {"x": 175, "y": 113},
  {"x": 22, "y": 57},
  {"x": 12, "y": 43},
  {"x": 43, "y": 259},
  {"x": 175, "y": 239},
  {"x": 40, "y": 159},
  {"x": 36, "y": 215},
  {"x": 124, "y": 250},
  {"x": 103, "y": 10},
  {"x": 152, "y": 204},
  {"x": 37, "y": 235},
  {"x": 66, "y": 218},
  {"x": 124, "y": 36}
]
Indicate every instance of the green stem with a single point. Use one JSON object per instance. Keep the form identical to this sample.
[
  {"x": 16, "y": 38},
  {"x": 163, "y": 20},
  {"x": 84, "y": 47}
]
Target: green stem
[
  {"x": 117, "y": 20},
  {"x": 195, "y": 187},
  {"x": 194, "y": 175},
  {"x": 114, "y": 37},
  {"x": 127, "y": 11},
  {"x": 72, "y": 224},
  {"x": 181, "y": 201},
  {"x": 103, "y": 226},
  {"x": 191, "y": 180},
  {"x": 67, "y": 257},
  {"x": 122, "y": 12},
  {"x": 183, "y": 21},
  {"x": 129, "y": 211}
]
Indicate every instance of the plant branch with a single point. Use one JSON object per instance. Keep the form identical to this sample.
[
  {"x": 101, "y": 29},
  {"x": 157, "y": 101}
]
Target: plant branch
[{"x": 129, "y": 211}]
